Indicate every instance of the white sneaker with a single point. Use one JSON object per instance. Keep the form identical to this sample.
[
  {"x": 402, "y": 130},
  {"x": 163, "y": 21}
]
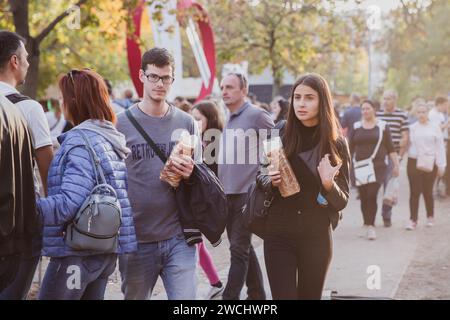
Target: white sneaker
[
  {"x": 411, "y": 226},
  {"x": 363, "y": 231},
  {"x": 215, "y": 293},
  {"x": 371, "y": 234},
  {"x": 430, "y": 222}
]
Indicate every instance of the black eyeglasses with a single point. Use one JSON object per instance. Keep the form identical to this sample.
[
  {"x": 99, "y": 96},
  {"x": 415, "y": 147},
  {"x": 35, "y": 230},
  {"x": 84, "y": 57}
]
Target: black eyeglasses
[{"x": 154, "y": 78}]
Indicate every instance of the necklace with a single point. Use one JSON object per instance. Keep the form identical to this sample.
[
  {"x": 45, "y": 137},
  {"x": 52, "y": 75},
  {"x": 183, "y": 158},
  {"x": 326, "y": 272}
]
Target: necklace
[{"x": 159, "y": 117}]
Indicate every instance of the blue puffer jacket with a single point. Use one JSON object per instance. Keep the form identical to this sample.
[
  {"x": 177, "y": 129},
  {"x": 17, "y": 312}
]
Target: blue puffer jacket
[{"x": 70, "y": 180}]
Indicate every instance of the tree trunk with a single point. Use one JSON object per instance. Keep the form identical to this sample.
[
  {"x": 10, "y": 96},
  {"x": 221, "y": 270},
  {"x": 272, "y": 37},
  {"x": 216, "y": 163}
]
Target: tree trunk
[
  {"x": 277, "y": 75},
  {"x": 32, "y": 80},
  {"x": 19, "y": 9},
  {"x": 277, "y": 70}
]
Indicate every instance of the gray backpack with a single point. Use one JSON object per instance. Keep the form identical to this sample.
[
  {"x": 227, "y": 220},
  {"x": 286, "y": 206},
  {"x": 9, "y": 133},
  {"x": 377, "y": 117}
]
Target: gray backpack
[{"x": 97, "y": 222}]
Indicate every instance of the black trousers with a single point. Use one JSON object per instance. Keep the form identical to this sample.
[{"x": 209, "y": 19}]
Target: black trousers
[
  {"x": 297, "y": 252},
  {"x": 420, "y": 183},
  {"x": 244, "y": 265},
  {"x": 8, "y": 270},
  {"x": 368, "y": 195}
]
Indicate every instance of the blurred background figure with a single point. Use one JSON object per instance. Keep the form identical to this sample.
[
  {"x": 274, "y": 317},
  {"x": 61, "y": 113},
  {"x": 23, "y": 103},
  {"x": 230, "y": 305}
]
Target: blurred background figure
[
  {"x": 279, "y": 110},
  {"x": 274, "y": 105},
  {"x": 117, "y": 108},
  {"x": 438, "y": 116},
  {"x": 185, "y": 106},
  {"x": 352, "y": 114},
  {"x": 253, "y": 98},
  {"x": 264, "y": 106},
  {"x": 178, "y": 101},
  {"x": 411, "y": 111},
  {"x": 56, "y": 121},
  {"x": 127, "y": 100},
  {"x": 338, "y": 109}
]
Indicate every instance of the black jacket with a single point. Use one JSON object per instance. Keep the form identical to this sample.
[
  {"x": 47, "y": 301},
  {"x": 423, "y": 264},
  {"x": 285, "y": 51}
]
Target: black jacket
[
  {"x": 337, "y": 197},
  {"x": 18, "y": 215},
  {"x": 202, "y": 206}
]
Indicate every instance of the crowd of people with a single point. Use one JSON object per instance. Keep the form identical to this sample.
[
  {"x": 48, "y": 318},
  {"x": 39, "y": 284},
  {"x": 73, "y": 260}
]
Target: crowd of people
[
  {"x": 389, "y": 135},
  {"x": 56, "y": 153}
]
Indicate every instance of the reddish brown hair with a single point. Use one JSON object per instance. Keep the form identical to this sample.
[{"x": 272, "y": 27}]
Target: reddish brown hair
[{"x": 86, "y": 96}]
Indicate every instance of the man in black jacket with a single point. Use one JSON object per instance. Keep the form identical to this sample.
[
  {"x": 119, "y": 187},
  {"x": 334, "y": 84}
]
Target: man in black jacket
[{"x": 18, "y": 217}]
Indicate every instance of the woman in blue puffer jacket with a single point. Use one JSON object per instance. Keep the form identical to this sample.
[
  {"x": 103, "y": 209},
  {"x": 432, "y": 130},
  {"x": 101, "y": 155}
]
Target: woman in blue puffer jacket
[{"x": 74, "y": 274}]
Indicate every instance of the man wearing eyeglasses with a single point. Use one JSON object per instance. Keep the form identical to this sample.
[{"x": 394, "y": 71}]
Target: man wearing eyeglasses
[
  {"x": 13, "y": 70},
  {"x": 162, "y": 249}
]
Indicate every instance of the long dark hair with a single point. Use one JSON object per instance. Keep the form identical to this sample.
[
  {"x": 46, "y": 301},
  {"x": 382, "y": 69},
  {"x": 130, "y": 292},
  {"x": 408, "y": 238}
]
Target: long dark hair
[
  {"x": 328, "y": 128},
  {"x": 284, "y": 108},
  {"x": 210, "y": 110}
]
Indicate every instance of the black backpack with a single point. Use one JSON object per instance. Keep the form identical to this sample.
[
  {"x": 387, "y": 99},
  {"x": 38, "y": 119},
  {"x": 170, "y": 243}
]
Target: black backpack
[{"x": 256, "y": 209}]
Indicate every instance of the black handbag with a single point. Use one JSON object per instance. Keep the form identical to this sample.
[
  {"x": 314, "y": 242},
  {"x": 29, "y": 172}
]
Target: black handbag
[
  {"x": 258, "y": 203},
  {"x": 256, "y": 209}
]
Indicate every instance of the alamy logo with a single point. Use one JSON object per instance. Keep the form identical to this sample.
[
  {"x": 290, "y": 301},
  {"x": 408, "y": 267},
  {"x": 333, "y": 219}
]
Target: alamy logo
[
  {"x": 373, "y": 14},
  {"x": 73, "y": 21},
  {"x": 374, "y": 280},
  {"x": 74, "y": 280}
]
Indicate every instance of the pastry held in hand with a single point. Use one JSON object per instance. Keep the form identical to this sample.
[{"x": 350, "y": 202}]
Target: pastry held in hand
[
  {"x": 185, "y": 147},
  {"x": 274, "y": 151}
]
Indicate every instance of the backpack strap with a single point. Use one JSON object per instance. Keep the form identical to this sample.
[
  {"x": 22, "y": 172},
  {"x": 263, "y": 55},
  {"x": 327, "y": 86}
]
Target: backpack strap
[
  {"x": 146, "y": 137},
  {"x": 95, "y": 159},
  {"x": 17, "y": 97}
]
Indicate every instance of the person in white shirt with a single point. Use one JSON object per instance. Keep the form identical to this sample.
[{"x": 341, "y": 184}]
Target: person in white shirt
[
  {"x": 438, "y": 116},
  {"x": 13, "y": 70},
  {"x": 426, "y": 160},
  {"x": 442, "y": 104},
  {"x": 55, "y": 119},
  {"x": 438, "y": 112}
]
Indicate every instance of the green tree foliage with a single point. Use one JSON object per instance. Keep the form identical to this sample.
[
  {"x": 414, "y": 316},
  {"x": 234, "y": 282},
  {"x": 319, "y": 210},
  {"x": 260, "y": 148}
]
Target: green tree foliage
[
  {"x": 290, "y": 35},
  {"x": 56, "y": 43},
  {"x": 419, "y": 49}
]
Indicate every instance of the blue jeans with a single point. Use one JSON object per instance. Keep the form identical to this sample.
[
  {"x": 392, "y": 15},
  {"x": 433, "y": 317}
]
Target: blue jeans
[
  {"x": 77, "y": 278},
  {"x": 244, "y": 265},
  {"x": 386, "y": 211},
  {"x": 18, "y": 289},
  {"x": 171, "y": 259}
]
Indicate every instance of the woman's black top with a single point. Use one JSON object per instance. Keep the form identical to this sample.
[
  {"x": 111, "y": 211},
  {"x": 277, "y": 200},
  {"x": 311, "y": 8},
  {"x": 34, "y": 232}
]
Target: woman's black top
[
  {"x": 362, "y": 145},
  {"x": 309, "y": 181}
]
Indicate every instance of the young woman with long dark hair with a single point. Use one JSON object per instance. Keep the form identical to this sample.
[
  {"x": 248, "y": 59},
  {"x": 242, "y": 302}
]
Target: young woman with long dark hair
[{"x": 298, "y": 242}]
